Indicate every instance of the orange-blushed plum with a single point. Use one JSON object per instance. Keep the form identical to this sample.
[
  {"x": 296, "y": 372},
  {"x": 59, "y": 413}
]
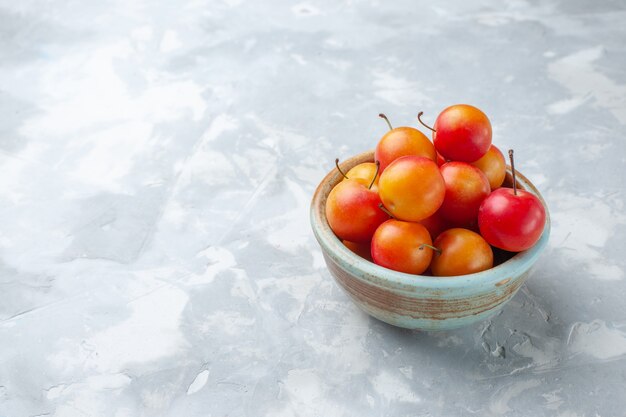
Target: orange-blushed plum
[
  {"x": 353, "y": 212},
  {"x": 466, "y": 188},
  {"x": 435, "y": 224},
  {"x": 399, "y": 245},
  {"x": 460, "y": 252},
  {"x": 412, "y": 188},
  {"x": 461, "y": 133},
  {"x": 364, "y": 250},
  {"x": 367, "y": 171},
  {"x": 493, "y": 165},
  {"x": 402, "y": 141}
]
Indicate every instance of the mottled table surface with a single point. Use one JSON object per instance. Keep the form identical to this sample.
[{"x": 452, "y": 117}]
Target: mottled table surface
[{"x": 157, "y": 164}]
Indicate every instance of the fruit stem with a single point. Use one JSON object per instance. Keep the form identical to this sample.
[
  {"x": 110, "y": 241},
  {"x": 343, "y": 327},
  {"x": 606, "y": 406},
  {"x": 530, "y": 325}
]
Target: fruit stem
[
  {"x": 382, "y": 116},
  {"x": 419, "y": 117},
  {"x": 383, "y": 208},
  {"x": 375, "y": 175},
  {"x": 513, "y": 171},
  {"x": 426, "y": 245},
  {"x": 339, "y": 169}
]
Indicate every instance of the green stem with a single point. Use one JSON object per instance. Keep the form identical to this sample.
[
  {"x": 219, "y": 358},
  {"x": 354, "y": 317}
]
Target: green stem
[{"x": 426, "y": 245}]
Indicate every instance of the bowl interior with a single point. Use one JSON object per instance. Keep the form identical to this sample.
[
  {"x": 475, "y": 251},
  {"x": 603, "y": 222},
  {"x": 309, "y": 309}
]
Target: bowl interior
[{"x": 377, "y": 275}]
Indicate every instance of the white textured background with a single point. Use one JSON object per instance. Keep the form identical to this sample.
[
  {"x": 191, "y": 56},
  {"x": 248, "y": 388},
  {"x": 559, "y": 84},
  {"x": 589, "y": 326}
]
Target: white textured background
[{"x": 157, "y": 161}]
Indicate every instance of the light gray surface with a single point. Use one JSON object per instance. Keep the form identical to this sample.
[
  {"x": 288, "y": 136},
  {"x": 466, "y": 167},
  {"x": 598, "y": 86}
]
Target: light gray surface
[{"x": 157, "y": 163}]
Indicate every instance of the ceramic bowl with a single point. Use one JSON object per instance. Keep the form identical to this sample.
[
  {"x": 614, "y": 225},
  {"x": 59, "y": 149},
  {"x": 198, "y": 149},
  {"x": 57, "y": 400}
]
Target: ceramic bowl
[{"x": 418, "y": 301}]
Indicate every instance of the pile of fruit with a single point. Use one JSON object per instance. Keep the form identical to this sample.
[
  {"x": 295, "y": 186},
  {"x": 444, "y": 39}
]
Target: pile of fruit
[{"x": 435, "y": 207}]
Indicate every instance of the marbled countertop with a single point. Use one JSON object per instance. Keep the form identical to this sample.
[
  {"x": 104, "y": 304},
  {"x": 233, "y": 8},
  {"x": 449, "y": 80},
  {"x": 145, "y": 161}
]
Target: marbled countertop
[{"x": 157, "y": 164}]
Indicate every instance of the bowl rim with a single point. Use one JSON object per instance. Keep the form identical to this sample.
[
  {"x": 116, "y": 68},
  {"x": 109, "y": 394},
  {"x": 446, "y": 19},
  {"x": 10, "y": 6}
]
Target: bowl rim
[{"x": 383, "y": 277}]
